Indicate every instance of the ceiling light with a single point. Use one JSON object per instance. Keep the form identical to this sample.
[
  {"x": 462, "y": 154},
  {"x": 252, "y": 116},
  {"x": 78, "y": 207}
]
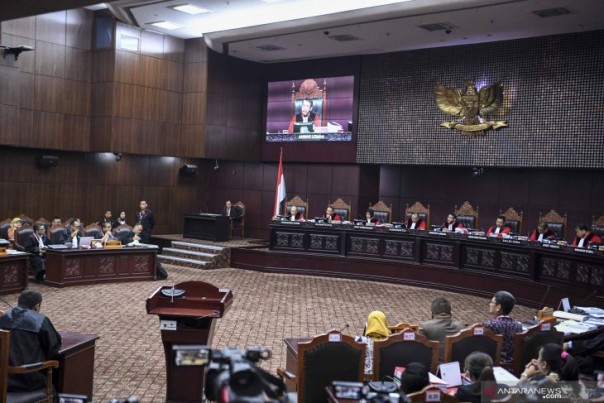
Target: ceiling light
[
  {"x": 165, "y": 25},
  {"x": 190, "y": 9}
]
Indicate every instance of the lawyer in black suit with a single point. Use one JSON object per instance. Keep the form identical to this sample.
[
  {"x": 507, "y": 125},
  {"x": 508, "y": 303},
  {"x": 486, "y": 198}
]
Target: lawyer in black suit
[
  {"x": 36, "y": 246},
  {"x": 146, "y": 218}
]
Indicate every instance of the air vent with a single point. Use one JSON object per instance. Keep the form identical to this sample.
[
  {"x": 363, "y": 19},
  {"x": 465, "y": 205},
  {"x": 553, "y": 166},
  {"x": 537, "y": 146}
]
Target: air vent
[
  {"x": 344, "y": 38},
  {"x": 552, "y": 12},
  {"x": 269, "y": 47},
  {"x": 438, "y": 26}
]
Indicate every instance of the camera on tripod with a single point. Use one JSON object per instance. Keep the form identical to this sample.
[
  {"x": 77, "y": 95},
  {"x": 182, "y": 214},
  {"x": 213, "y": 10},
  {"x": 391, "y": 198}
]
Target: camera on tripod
[{"x": 231, "y": 374}]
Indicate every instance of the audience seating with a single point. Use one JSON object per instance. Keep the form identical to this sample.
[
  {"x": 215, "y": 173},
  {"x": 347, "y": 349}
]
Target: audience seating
[
  {"x": 556, "y": 223},
  {"x": 423, "y": 212},
  {"x": 4, "y": 226},
  {"x": 123, "y": 232},
  {"x": 382, "y": 212},
  {"x": 299, "y": 203},
  {"x": 93, "y": 230},
  {"x": 528, "y": 343},
  {"x": 473, "y": 338},
  {"x": 323, "y": 360},
  {"x": 25, "y": 220},
  {"x": 400, "y": 349},
  {"x": 57, "y": 234},
  {"x": 513, "y": 220},
  {"x": 239, "y": 223},
  {"x": 430, "y": 394},
  {"x": 21, "y": 236},
  {"x": 341, "y": 208},
  {"x": 402, "y": 326},
  {"x": 597, "y": 226},
  {"x": 467, "y": 215},
  {"x": 41, "y": 395}
]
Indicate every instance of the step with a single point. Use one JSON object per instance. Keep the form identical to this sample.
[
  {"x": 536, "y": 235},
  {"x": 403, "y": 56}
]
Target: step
[
  {"x": 188, "y": 252},
  {"x": 191, "y": 245},
  {"x": 180, "y": 261}
]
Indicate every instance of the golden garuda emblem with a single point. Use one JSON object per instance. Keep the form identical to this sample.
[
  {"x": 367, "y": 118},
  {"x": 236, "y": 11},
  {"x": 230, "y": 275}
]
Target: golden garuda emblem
[{"x": 471, "y": 105}]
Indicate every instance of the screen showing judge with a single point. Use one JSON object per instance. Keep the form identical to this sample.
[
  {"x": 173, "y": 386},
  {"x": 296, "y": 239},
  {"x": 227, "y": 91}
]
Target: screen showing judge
[{"x": 306, "y": 120}]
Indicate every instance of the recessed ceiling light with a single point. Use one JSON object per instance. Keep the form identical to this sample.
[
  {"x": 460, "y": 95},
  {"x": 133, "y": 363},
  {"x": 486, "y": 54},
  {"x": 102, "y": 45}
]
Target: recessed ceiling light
[
  {"x": 165, "y": 25},
  {"x": 190, "y": 9}
]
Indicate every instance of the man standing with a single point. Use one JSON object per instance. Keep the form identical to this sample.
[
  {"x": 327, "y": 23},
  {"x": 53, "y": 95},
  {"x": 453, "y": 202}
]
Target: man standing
[
  {"x": 145, "y": 217},
  {"x": 36, "y": 246},
  {"x": 33, "y": 339},
  {"x": 231, "y": 211}
]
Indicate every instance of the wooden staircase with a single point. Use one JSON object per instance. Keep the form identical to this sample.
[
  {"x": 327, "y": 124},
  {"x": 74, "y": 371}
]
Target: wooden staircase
[{"x": 195, "y": 255}]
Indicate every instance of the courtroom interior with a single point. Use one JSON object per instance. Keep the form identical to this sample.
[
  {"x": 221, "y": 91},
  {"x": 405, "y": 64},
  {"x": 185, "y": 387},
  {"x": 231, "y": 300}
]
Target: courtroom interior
[{"x": 430, "y": 149}]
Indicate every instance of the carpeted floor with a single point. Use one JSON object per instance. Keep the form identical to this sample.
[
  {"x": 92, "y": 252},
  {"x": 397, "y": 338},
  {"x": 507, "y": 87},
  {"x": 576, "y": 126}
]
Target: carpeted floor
[{"x": 267, "y": 308}]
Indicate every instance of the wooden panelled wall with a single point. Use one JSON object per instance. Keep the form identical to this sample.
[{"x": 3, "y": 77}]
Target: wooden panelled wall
[
  {"x": 85, "y": 184},
  {"x": 576, "y": 192}
]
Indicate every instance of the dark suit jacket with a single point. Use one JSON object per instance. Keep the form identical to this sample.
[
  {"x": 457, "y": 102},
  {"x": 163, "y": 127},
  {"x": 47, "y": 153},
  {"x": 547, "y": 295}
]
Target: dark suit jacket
[
  {"x": 111, "y": 220},
  {"x": 144, "y": 238},
  {"x": 32, "y": 245},
  {"x": 147, "y": 220},
  {"x": 235, "y": 211}
]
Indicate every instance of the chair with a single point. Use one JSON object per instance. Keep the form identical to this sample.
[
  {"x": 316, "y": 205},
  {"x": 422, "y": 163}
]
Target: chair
[
  {"x": 57, "y": 234},
  {"x": 467, "y": 215},
  {"x": 400, "y": 349},
  {"x": 382, "y": 212},
  {"x": 597, "y": 226},
  {"x": 431, "y": 394},
  {"x": 93, "y": 230},
  {"x": 399, "y": 327},
  {"x": 25, "y": 220},
  {"x": 473, "y": 338},
  {"x": 21, "y": 237},
  {"x": 311, "y": 90},
  {"x": 342, "y": 209},
  {"x": 513, "y": 220},
  {"x": 299, "y": 203},
  {"x": 423, "y": 212},
  {"x": 326, "y": 358},
  {"x": 123, "y": 232},
  {"x": 4, "y": 226},
  {"x": 239, "y": 222},
  {"x": 555, "y": 223},
  {"x": 528, "y": 343},
  {"x": 40, "y": 395}
]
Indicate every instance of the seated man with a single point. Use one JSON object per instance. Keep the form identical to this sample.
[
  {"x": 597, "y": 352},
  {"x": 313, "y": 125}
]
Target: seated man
[
  {"x": 499, "y": 228},
  {"x": 415, "y": 222},
  {"x": 306, "y": 115},
  {"x": 35, "y": 245},
  {"x": 542, "y": 233},
  {"x": 294, "y": 215},
  {"x": 451, "y": 224},
  {"x": 441, "y": 325},
  {"x": 107, "y": 233},
  {"x": 331, "y": 215},
  {"x": 231, "y": 211},
  {"x": 56, "y": 222},
  {"x": 584, "y": 238},
  {"x": 369, "y": 219},
  {"x": 108, "y": 217},
  {"x": 502, "y": 323},
  {"x": 74, "y": 232},
  {"x": 33, "y": 339},
  {"x": 138, "y": 236}
]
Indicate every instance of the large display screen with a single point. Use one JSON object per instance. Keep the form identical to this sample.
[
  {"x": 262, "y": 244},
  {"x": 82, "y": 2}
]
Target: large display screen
[{"x": 312, "y": 109}]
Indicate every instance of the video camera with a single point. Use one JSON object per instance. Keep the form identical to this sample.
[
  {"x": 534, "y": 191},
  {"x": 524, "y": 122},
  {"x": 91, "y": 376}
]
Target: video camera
[
  {"x": 231, "y": 374},
  {"x": 369, "y": 392}
]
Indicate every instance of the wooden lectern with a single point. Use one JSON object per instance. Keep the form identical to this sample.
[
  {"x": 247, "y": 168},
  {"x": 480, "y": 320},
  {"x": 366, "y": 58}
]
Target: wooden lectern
[{"x": 187, "y": 319}]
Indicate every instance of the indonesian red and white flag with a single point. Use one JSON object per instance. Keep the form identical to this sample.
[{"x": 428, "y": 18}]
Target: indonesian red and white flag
[{"x": 280, "y": 189}]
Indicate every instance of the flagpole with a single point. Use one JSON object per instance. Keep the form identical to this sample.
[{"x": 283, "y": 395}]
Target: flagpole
[{"x": 280, "y": 186}]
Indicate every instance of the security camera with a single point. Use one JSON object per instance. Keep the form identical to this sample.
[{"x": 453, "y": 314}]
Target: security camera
[
  {"x": 325, "y": 33},
  {"x": 448, "y": 31}
]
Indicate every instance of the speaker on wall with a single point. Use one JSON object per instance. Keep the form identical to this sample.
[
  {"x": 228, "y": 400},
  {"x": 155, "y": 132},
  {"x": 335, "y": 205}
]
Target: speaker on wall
[
  {"x": 47, "y": 161},
  {"x": 188, "y": 170}
]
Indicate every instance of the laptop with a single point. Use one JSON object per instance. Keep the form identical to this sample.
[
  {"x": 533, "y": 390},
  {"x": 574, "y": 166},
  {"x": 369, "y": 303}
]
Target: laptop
[{"x": 85, "y": 241}]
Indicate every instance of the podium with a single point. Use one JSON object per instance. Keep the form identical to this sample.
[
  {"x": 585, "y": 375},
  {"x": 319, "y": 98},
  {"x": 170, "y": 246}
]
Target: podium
[{"x": 187, "y": 319}]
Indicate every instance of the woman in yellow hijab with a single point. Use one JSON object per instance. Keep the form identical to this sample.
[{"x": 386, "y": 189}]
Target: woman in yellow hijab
[{"x": 376, "y": 328}]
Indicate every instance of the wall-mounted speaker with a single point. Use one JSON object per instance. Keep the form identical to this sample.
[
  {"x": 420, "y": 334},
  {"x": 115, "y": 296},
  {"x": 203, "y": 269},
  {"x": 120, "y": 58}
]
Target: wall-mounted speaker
[
  {"x": 188, "y": 170},
  {"x": 47, "y": 161}
]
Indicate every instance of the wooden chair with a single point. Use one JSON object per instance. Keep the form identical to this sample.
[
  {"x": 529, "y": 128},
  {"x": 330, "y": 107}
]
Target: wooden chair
[
  {"x": 467, "y": 215},
  {"x": 57, "y": 234},
  {"x": 513, "y": 220},
  {"x": 555, "y": 223},
  {"x": 239, "y": 223},
  {"x": 403, "y": 348},
  {"x": 473, "y": 338},
  {"x": 4, "y": 226},
  {"x": 597, "y": 226},
  {"x": 93, "y": 230},
  {"x": 342, "y": 209},
  {"x": 423, "y": 212},
  {"x": 431, "y": 394},
  {"x": 326, "y": 358},
  {"x": 40, "y": 395},
  {"x": 299, "y": 203},
  {"x": 528, "y": 343},
  {"x": 21, "y": 236},
  {"x": 399, "y": 327},
  {"x": 382, "y": 212}
]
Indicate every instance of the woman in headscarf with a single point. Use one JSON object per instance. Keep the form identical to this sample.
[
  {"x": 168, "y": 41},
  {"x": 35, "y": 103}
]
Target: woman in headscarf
[{"x": 376, "y": 328}]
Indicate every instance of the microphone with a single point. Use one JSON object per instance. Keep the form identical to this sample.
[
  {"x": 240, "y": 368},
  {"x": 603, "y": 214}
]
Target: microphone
[
  {"x": 172, "y": 300},
  {"x": 346, "y": 326}
]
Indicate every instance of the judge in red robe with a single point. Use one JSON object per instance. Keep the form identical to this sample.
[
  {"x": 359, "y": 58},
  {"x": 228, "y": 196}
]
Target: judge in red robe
[
  {"x": 542, "y": 233},
  {"x": 584, "y": 237},
  {"x": 415, "y": 222},
  {"x": 499, "y": 228},
  {"x": 451, "y": 224},
  {"x": 331, "y": 215}
]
